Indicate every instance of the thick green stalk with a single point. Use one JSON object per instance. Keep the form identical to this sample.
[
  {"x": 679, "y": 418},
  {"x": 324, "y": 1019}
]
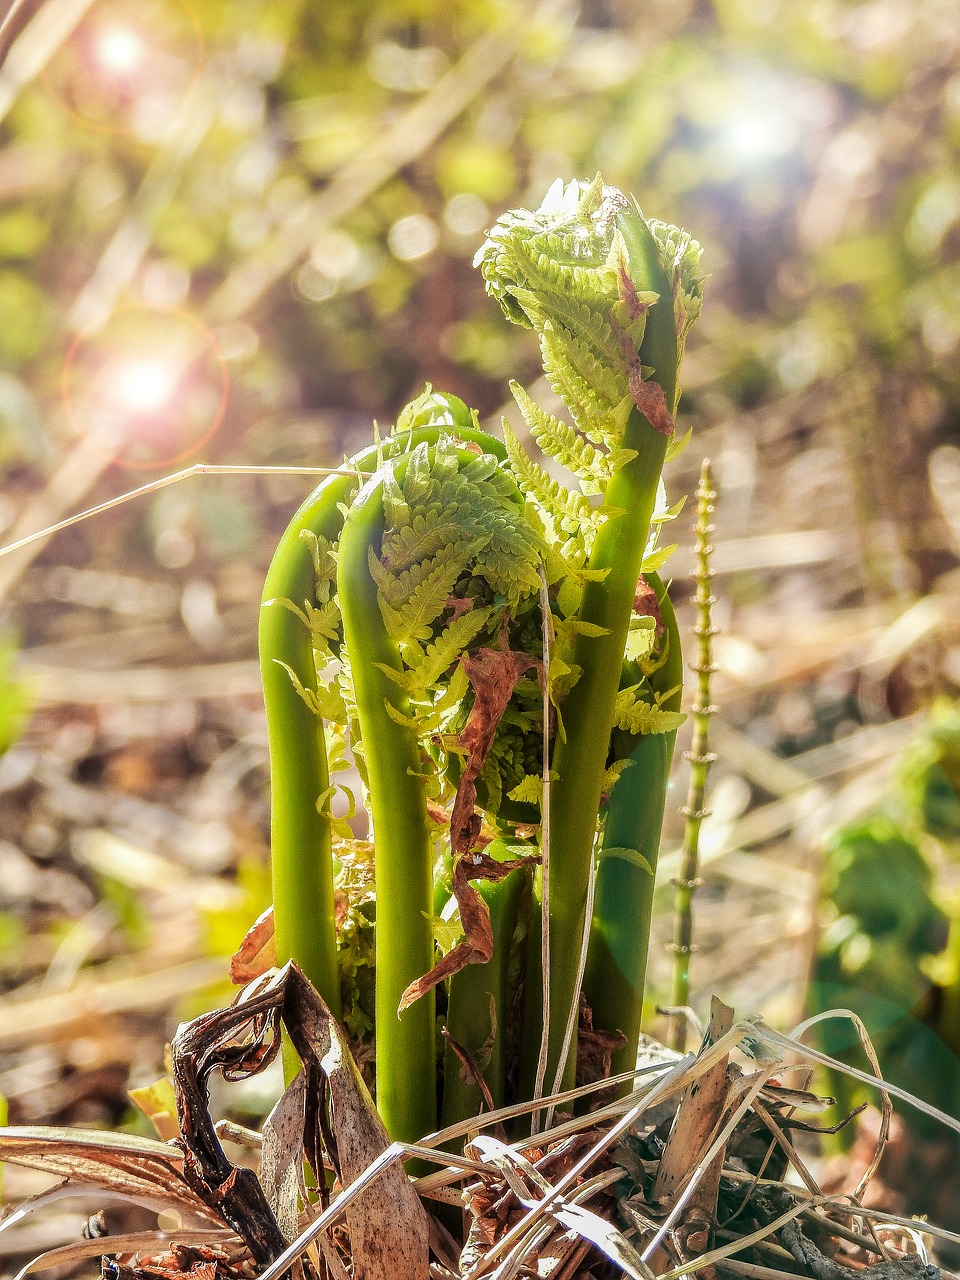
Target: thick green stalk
[
  {"x": 479, "y": 1001},
  {"x": 613, "y": 982},
  {"x": 580, "y": 757},
  {"x": 700, "y": 757},
  {"x": 406, "y": 1058},
  {"x": 301, "y": 860},
  {"x": 403, "y": 851}
]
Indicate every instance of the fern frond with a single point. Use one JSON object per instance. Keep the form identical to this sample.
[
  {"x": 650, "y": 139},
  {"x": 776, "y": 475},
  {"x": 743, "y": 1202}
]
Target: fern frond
[
  {"x": 613, "y": 773},
  {"x": 323, "y": 555},
  {"x": 330, "y": 704},
  {"x": 433, "y": 529},
  {"x": 307, "y": 696},
  {"x": 680, "y": 255},
  {"x": 323, "y": 623},
  {"x": 653, "y": 561},
  {"x": 559, "y": 440},
  {"x": 569, "y": 511},
  {"x": 410, "y": 602},
  {"x": 641, "y": 638},
  {"x": 636, "y": 715},
  {"x": 583, "y": 383},
  {"x": 426, "y": 665}
]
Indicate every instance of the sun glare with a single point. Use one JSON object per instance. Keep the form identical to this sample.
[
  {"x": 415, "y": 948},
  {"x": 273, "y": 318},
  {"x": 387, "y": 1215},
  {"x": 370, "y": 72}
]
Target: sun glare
[
  {"x": 119, "y": 50},
  {"x": 142, "y": 386},
  {"x": 759, "y": 136}
]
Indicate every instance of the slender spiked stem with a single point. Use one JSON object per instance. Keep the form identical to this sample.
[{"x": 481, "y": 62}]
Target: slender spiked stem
[{"x": 699, "y": 755}]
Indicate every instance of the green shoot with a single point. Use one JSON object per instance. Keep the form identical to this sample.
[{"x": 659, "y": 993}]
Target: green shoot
[{"x": 610, "y": 297}]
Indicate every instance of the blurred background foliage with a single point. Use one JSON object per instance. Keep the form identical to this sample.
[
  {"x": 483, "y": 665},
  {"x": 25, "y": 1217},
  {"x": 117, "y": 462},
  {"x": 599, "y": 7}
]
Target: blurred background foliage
[
  {"x": 238, "y": 231},
  {"x": 310, "y": 182}
]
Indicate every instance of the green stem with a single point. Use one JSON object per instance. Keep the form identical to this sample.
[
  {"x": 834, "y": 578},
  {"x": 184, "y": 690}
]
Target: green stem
[
  {"x": 614, "y": 978},
  {"x": 700, "y": 757},
  {"x": 406, "y": 1060},
  {"x": 580, "y": 757},
  {"x": 403, "y": 852},
  {"x": 300, "y": 837},
  {"x": 479, "y": 1001}
]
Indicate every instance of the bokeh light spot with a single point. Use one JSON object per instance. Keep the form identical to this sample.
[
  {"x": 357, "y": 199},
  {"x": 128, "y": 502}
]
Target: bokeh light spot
[
  {"x": 150, "y": 386},
  {"x": 118, "y": 49}
]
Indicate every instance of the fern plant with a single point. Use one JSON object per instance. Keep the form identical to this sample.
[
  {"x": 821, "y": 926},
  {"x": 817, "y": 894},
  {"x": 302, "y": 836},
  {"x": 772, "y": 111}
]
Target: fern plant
[{"x": 499, "y": 653}]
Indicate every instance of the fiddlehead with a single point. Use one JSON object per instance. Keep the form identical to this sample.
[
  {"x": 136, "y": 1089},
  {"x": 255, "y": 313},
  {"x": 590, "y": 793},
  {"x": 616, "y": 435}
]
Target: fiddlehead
[
  {"x": 299, "y": 629},
  {"x": 436, "y": 531}
]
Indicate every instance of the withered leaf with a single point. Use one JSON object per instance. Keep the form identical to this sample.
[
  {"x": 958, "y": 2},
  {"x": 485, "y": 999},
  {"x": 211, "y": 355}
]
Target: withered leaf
[
  {"x": 646, "y": 604},
  {"x": 257, "y": 953},
  {"x": 281, "y": 1156},
  {"x": 476, "y": 946},
  {"x": 595, "y": 1048},
  {"x": 139, "y": 1169},
  {"x": 650, "y": 400},
  {"x": 389, "y": 1231},
  {"x": 493, "y": 673}
]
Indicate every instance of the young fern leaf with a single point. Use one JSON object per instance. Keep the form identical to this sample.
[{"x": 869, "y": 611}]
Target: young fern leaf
[
  {"x": 569, "y": 511},
  {"x": 614, "y": 348},
  {"x": 635, "y": 715},
  {"x": 562, "y": 442},
  {"x": 426, "y": 665},
  {"x": 411, "y": 601}
]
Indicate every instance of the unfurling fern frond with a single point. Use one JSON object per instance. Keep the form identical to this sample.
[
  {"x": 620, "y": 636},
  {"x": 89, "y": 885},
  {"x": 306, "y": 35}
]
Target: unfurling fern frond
[
  {"x": 426, "y": 665},
  {"x": 680, "y": 254},
  {"x": 411, "y": 601},
  {"x": 559, "y": 440},
  {"x": 635, "y": 714},
  {"x": 569, "y": 510}
]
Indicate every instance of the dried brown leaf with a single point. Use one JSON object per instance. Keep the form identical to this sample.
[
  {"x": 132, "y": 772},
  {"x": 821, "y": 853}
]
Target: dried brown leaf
[
  {"x": 389, "y": 1230},
  {"x": 650, "y": 400},
  {"x": 257, "y": 953},
  {"x": 493, "y": 673},
  {"x": 140, "y": 1169},
  {"x": 477, "y": 944},
  {"x": 281, "y": 1156}
]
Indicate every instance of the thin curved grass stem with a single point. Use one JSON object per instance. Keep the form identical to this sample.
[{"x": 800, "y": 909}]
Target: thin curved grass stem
[{"x": 544, "y": 854}]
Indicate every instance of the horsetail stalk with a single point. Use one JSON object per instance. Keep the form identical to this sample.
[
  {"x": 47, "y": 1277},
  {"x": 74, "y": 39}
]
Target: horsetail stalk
[{"x": 700, "y": 757}]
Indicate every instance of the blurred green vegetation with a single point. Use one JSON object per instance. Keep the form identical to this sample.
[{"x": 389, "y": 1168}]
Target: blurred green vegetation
[
  {"x": 890, "y": 947},
  {"x": 310, "y": 182}
]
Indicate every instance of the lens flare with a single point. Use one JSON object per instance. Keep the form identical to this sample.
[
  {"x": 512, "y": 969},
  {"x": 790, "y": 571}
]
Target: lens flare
[
  {"x": 141, "y": 386},
  {"x": 118, "y": 50},
  {"x": 150, "y": 386}
]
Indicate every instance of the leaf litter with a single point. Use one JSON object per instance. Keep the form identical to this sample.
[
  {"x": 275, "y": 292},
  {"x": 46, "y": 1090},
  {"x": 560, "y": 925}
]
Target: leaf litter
[{"x": 689, "y": 1170}]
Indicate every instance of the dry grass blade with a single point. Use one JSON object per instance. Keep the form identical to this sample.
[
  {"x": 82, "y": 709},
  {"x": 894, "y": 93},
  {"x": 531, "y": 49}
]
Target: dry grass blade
[
  {"x": 139, "y": 1169},
  {"x": 883, "y": 1086},
  {"x": 541, "y": 1184}
]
